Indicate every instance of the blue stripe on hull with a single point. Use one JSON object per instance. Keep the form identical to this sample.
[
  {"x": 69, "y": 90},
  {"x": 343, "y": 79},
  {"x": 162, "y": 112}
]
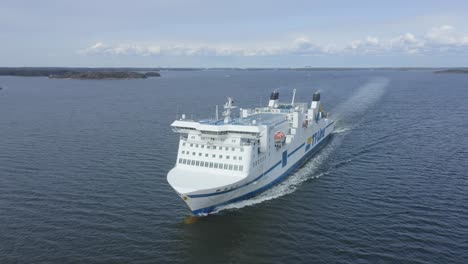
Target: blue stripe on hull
[{"x": 293, "y": 168}]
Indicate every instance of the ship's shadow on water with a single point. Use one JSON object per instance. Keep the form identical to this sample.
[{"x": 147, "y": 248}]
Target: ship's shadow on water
[{"x": 216, "y": 237}]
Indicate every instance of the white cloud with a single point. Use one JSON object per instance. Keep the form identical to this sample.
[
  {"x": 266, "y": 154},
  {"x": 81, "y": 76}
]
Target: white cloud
[
  {"x": 444, "y": 38},
  {"x": 96, "y": 48},
  {"x": 121, "y": 49},
  {"x": 446, "y": 35}
]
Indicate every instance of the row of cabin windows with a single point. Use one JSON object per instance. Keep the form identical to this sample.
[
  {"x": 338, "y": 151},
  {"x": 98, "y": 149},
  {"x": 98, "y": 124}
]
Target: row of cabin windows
[
  {"x": 215, "y": 133},
  {"x": 212, "y": 155},
  {"x": 208, "y": 164},
  {"x": 257, "y": 162},
  {"x": 212, "y": 147}
]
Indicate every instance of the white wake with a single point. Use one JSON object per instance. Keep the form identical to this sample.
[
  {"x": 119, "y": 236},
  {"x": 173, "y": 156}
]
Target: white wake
[{"x": 356, "y": 105}]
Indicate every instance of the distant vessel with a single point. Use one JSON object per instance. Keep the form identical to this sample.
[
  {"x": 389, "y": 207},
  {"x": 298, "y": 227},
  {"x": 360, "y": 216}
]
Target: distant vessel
[{"x": 224, "y": 161}]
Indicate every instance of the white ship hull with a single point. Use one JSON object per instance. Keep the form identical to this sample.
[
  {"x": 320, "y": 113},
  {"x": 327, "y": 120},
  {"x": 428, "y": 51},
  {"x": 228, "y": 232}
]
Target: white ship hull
[{"x": 278, "y": 166}]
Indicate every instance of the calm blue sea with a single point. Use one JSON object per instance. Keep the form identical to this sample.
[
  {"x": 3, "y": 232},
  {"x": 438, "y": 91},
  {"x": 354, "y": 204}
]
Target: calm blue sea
[{"x": 83, "y": 169}]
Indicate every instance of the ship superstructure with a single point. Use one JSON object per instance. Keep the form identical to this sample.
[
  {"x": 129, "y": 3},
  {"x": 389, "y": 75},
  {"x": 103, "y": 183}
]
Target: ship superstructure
[{"x": 232, "y": 159}]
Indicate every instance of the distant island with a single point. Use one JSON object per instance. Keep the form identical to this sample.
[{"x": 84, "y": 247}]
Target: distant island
[
  {"x": 457, "y": 71},
  {"x": 103, "y": 75},
  {"x": 82, "y": 73}
]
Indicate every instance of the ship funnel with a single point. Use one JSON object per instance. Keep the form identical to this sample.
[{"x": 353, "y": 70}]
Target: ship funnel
[
  {"x": 273, "y": 99},
  {"x": 316, "y": 97},
  {"x": 315, "y": 101}
]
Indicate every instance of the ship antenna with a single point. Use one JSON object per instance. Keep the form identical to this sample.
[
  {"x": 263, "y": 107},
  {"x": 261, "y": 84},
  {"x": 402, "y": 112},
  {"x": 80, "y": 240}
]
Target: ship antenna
[
  {"x": 294, "y": 96},
  {"x": 227, "y": 113},
  {"x": 217, "y": 117}
]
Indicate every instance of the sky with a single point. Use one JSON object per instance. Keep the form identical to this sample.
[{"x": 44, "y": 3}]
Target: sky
[{"x": 174, "y": 33}]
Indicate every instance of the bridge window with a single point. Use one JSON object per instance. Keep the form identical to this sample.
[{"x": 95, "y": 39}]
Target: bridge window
[
  {"x": 240, "y": 157},
  {"x": 241, "y": 168},
  {"x": 230, "y": 166},
  {"x": 236, "y": 167},
  {"x": 234, "y": 157},
  {"x": 206, "y": 154},
  {"x": 213, "y": 156},
  {"x": 220, "y": 156},
  {"x": 225, "y": 166}
]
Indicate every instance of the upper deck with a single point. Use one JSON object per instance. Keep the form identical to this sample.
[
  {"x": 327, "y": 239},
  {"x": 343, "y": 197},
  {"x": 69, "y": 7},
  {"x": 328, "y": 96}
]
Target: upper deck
[
  {"x": 250, "y": 120},
  {"x": 254, "y": 119}
]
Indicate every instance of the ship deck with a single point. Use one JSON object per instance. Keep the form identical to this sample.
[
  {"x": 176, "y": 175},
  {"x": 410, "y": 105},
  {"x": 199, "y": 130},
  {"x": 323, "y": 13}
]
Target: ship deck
[{"x": 260, "y": 119}]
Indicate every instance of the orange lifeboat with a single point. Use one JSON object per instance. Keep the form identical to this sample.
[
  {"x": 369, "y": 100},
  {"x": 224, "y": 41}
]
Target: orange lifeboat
[{"x": 280, "y": 138}]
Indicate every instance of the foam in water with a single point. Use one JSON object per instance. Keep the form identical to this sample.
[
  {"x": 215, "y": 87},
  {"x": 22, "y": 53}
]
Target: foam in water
[
  {"x": 341, "y": 130},
  {"x": 366, "y": 96}
]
